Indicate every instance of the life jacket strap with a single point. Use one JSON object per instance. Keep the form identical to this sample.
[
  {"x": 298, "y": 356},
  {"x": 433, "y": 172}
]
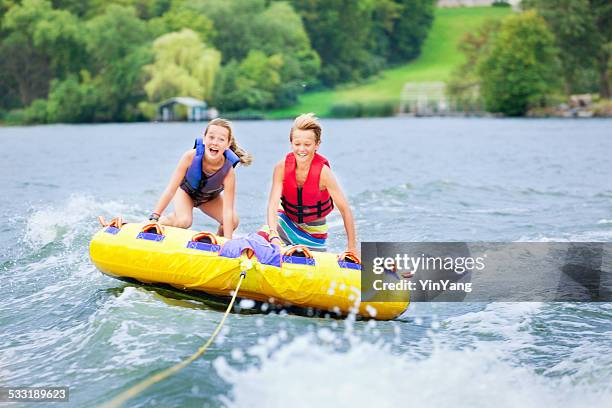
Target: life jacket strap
[
  {"x": 320, "y": 206},
  {"x": 297, "y": 213}
]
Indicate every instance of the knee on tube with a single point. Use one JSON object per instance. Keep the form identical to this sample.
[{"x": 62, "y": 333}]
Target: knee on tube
[{"x": 183, "y": 222}]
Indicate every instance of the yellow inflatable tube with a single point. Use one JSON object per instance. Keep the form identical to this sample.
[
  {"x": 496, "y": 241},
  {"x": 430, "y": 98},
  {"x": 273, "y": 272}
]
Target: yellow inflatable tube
[{"x": 170, "y": 255}]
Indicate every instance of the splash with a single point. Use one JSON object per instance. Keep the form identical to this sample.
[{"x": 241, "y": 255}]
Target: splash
[
  {"x": 327, "y": 369},
  {"x": 51, "y": 224}
]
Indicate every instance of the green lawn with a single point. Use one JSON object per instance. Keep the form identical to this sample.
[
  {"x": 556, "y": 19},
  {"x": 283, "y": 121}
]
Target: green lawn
[{"x": 438, "y": 59}]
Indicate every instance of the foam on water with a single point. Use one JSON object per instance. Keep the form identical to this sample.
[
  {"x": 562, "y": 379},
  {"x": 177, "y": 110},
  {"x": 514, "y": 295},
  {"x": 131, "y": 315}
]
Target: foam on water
[
  {"x": 311, "y": 372},
  {"x": 50, "y": 224},
  {"x": 477, "y": 359}
]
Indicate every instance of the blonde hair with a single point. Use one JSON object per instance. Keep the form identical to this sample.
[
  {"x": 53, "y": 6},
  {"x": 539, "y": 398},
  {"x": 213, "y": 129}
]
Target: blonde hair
[
  {"x": 307, "y": 121},
  {"x": 245, "y": 157}
]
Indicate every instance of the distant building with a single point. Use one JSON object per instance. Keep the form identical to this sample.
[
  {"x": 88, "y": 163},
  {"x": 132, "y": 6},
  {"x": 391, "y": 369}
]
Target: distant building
[
  {"x": 184, "y": 108},
  {"x": 424, "y": 99},
  {"x": 431, "y": 99}
]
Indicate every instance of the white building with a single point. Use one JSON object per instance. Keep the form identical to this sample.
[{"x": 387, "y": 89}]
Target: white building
[{"x": 181, "y": 108}]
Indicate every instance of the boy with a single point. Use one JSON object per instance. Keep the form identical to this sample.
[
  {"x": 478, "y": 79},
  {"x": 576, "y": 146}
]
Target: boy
[{"x": 307, "y": 190}]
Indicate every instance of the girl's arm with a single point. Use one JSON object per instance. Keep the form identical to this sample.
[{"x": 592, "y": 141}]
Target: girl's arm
[
  {"x": 175, "y": 181},
  {"x": 275, "y": 195},
  {"x": 229, "y": 194},
  {"x": 329, "y": 182}
]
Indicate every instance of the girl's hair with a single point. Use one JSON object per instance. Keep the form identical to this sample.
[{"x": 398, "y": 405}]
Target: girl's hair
[
  {"x": 307, "y": 121},
  {"x": 245, "y": 157}
]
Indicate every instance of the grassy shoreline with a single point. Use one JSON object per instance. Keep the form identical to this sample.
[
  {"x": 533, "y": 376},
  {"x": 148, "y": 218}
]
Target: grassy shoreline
[{"x": 439, "y": 57}]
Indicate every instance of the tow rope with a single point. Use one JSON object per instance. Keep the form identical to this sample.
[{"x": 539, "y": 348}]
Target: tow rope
[{"x": 146, "y": 383}]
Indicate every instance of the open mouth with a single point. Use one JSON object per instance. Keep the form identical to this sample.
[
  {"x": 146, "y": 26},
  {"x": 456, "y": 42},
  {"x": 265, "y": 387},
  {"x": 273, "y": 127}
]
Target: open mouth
[{"x": 213, "y": 150}]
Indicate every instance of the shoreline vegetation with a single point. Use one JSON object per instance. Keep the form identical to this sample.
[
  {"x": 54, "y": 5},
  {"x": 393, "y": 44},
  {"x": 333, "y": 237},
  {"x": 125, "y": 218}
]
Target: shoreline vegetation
[
  {"x": 457, "y": 61},
  {"x": 118, "y": 61},
  {"x": 439, "y": 57}
]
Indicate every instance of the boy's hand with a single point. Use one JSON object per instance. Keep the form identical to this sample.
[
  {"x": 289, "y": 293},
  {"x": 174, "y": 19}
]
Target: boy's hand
[{"x": 276, "y": 241}]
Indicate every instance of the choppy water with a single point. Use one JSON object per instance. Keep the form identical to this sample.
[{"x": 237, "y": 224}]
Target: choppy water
[{"x": 64, "y": 323}]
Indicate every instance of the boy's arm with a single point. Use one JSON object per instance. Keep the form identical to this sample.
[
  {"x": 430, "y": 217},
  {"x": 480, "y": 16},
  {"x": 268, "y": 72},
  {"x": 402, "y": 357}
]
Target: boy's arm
[
  {"x": 275, "y": 195},
  {"x": 329, "y": 182}
]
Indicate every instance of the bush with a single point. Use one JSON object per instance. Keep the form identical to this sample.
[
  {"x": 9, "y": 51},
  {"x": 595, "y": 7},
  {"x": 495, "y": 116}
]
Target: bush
[
  {"x": 378, "y": 109},
  {"x": 345, "y": 110},
  {"x": 35, "y": 113},
  {"x": 603, "y": 108},
  {"x": 522, "y": 68},
  {"x": 13, "y": 117},
  {"x": 71, "y": 101},
  {"x": 501, "y": 3},
  {"x": 363, "y": 109}
]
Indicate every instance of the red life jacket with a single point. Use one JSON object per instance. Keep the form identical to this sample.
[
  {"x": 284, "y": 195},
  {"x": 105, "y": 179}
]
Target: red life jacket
[{"x": 306, "y": 203}]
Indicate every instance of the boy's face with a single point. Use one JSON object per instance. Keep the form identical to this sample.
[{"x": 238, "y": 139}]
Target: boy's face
[{"x": 304, "y": 145}]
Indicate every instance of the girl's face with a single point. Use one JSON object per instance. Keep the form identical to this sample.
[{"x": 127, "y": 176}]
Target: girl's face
[
  {"x": 216, "y": 140},
  {"x": 304, "y": 145}
]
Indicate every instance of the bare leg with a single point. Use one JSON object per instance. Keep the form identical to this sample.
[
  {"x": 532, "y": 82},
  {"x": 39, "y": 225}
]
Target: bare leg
[
  {"x": 182, "y": 216},
  {"x": 214, "y": 209}
]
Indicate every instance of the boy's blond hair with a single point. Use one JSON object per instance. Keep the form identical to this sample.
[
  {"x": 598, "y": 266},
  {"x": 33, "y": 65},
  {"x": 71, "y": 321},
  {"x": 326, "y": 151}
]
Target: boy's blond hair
[{"x": 307, "y": 121}]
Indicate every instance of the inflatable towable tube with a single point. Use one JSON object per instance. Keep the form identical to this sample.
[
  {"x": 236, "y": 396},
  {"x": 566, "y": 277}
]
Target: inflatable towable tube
[{"x": 186, "y": 260}]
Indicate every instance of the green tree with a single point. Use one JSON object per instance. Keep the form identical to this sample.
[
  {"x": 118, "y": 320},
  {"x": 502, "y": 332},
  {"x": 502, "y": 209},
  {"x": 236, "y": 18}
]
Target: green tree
[
  {"x": 184, "y": 66},
  {"x": 252, "y": 84},
  {"x": 5, "y": 6},
  {"x": 273, "y": 29},
  {"x": 522, "y": 67},
  {"x": 77, "y": 7},
  {"x": 71, "y": 100},
  {"x": 227, "y": 95},
  {"x": 583, "y": 31},
  {"x": 39, "y": 43},
  {"x": 410, "y": 29},
  {"x": 235, "y": 33},
  {"x": 24, "y": 72},
  {"x": 145, "y": 9},
  {"x": 258, "y": 25},
  {"x": 384, "y": 17},
  {"x": 464, "y": 82},
  {"x": 283, "y": 36},
  {"x": 118, "y": 44},
  {"x": 180, "y": 16},
  {"x": 357, "y": 38},
  {"x": 340, "y": 33}
]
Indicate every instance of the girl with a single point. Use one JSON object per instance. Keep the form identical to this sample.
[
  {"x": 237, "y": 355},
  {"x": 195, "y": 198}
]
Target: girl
[
  {"x": 202, "y": 174},
  {"x": 307, "y": 190}
]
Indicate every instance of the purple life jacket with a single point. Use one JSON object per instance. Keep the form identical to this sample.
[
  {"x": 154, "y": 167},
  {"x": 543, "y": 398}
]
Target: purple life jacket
[{"x": 200, "y": 187}]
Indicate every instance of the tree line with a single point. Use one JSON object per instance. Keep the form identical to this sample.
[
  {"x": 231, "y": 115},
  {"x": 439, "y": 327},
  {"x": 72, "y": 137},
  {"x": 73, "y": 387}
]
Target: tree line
[
  {"x": 536, "y": 58},
  {"x": 100, "y": 61}
]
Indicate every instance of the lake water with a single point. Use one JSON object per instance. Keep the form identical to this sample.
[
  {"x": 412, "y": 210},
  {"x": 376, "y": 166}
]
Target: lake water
[{"x": 64, "y": 323}]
